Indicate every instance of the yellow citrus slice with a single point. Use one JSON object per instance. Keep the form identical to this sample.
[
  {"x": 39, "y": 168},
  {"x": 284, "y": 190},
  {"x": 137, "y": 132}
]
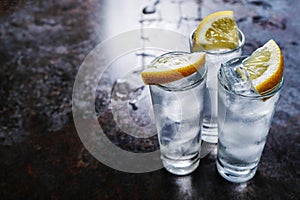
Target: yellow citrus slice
[
  {"x": 216, "y": 31},
  {"x": 172, "y": 67},
  {"x": 265, "y": 67}
]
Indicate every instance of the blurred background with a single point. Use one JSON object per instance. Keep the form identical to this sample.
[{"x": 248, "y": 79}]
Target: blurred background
[{"x": 43, "y": 44}]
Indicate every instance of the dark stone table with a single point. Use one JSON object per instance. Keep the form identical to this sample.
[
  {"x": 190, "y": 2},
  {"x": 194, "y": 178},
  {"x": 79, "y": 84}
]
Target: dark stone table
[{"x": 43, "y": 45}]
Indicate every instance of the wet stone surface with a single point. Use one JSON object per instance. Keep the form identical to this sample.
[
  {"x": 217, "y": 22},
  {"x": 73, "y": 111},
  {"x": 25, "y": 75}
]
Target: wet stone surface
[{"x": 43, "y": 44}]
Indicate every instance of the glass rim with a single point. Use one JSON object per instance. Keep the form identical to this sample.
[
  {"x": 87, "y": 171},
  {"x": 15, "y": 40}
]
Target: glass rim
[
  {"x": 265, "y": 95},
  {"x": 241, "y": 44},
  {"x": 169, "y": 87}
]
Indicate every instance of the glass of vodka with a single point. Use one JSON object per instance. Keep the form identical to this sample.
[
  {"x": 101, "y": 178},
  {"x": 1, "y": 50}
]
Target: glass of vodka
[
  {"x": 214, "y": 59},
  {"x": 178, "y": 112},
  {"x": 244, "y": 120}
]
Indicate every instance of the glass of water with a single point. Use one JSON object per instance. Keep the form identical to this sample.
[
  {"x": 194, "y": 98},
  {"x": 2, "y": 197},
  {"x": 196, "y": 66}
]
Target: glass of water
[
  {"x": 214, "y": 59},
  {"x": 244, "y": 119},
  {"x": 178, "y": 110}
]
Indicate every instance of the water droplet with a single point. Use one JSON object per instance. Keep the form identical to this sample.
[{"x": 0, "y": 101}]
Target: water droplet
[
  {"x": 133, "y": 105},
  {"x": 149, "y": 9}
]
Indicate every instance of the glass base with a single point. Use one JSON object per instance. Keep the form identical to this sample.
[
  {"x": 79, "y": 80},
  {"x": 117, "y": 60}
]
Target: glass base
[
  {"x": 235, "y": 175},
  {"x": 181, "y": 166},
  {"x": 210, "y": 133}
]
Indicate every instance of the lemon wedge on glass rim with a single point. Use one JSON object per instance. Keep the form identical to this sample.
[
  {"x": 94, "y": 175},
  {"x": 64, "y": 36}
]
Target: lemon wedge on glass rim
[
  {"x": 216, "y": 31},
  {"x": 265, "y": 67},
  {"x": 172, "y": 67}
]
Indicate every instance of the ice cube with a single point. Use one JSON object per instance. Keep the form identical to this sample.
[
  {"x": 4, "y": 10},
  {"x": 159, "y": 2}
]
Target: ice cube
[{"x": 236, "y": 78}]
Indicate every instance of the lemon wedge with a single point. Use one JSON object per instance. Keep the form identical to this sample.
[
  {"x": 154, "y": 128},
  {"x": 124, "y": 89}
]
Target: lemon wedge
[
  {"x": 265, "y": 67},
  {"x": 216, "y": 31},
  {"x": 172, "y": 67}
]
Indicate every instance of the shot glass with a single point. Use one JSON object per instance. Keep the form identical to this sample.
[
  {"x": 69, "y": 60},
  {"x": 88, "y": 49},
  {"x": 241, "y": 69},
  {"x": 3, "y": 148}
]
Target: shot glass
[
  {"x": 214, "y": 59},
  {"x": 244, "y": 120},
  {"x": 178, "y": 112}
]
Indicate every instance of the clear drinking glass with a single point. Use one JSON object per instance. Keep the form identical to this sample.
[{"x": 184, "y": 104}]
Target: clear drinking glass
[
  {"x": 178, "y": 110},
  {"x": 214, "y": 59},
  {"x": 244, "y": 119}
]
